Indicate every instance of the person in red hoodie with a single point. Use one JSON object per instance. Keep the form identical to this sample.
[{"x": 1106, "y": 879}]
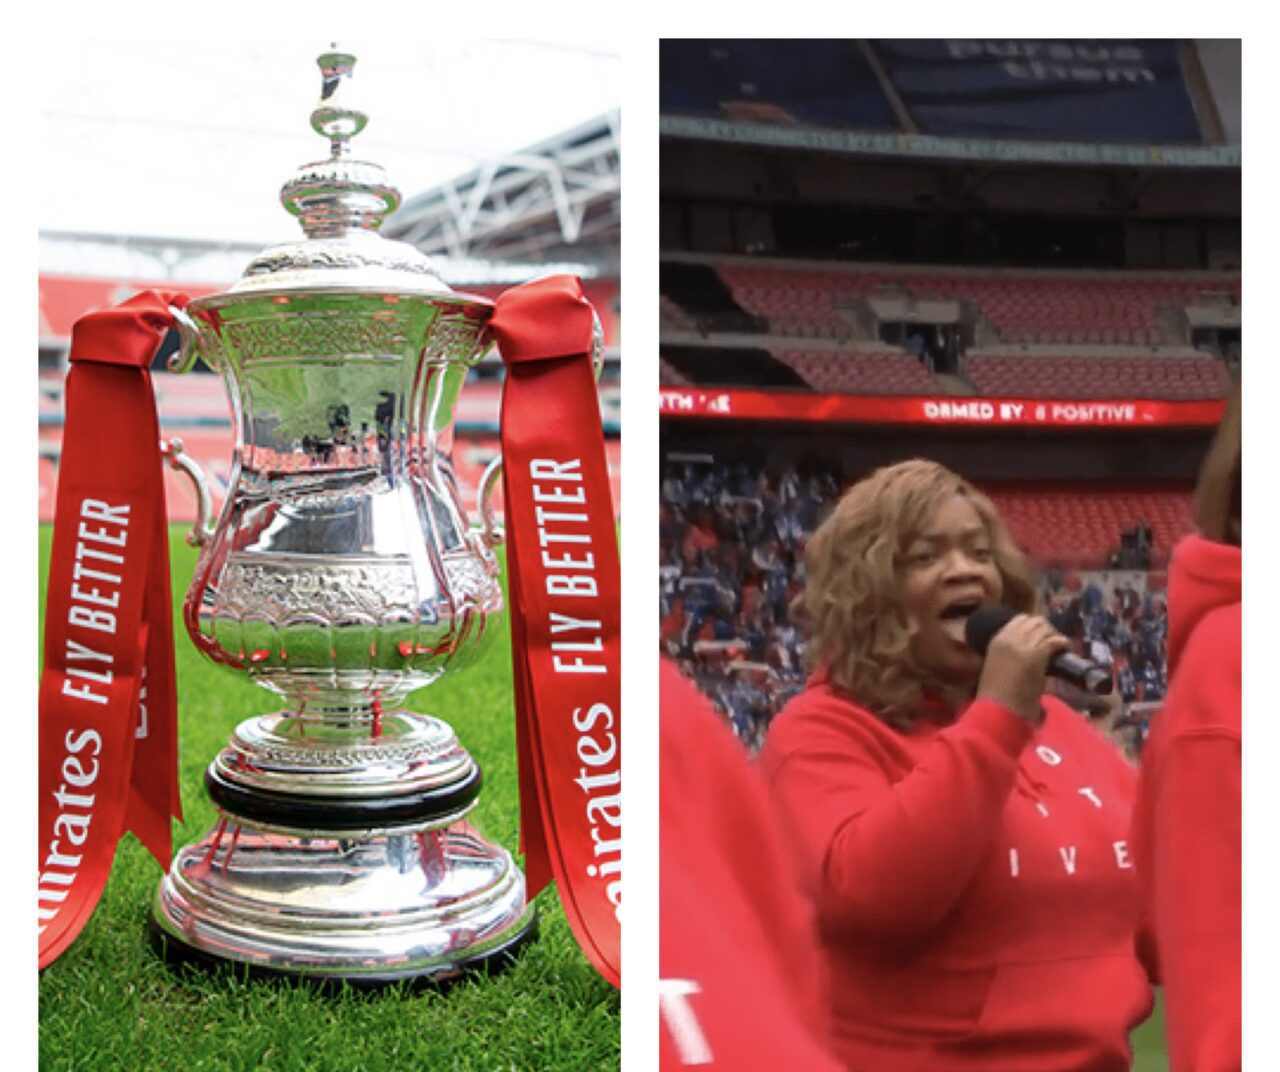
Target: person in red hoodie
[
  {"x": 1187, "y": 824},
  {"x": 963, "y": 837},
  {"x": 741, "y": 984}
]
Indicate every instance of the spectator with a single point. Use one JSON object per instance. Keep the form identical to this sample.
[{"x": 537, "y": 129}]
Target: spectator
[
  {"x": 1125, "y": 684},
  {"x": 1187, "y": 830},
  {"x": 1100, "y": 653},
  {"x": 1091, "y": 601},
  {"x": 736, "y": 937}
]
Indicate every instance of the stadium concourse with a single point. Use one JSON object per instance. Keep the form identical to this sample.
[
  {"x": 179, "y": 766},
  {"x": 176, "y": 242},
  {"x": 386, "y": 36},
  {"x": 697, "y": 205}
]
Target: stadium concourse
[{"x": 1018, "y": 258}]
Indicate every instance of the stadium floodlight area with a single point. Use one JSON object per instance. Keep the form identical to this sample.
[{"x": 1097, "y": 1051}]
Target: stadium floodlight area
[
  {"x": 552, "y": 208},
  {"x": 164, "y": 258},
  {"x": 195, "y": 260}
]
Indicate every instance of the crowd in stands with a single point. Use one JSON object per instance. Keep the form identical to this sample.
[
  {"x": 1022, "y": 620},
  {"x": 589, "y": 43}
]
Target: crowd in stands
[{"x": 732, "y": 541}]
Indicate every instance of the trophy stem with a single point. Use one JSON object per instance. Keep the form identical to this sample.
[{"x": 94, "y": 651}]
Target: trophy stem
[{"x": 329, "y": 755}]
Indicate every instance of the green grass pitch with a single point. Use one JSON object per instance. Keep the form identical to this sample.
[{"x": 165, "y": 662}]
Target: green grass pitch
[
  {"x": 1148, "y": 1043},
  {"x": 110, "y": 1003}
]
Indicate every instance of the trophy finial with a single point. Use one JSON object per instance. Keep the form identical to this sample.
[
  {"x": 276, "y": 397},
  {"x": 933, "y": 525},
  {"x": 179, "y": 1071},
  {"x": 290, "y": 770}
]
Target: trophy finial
[
  {"x": 338, "y": 195},
  {"x": 333, "y": 118}
]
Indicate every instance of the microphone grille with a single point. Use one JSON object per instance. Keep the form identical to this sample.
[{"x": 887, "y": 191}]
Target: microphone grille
[{"x": 984, "y": 623}]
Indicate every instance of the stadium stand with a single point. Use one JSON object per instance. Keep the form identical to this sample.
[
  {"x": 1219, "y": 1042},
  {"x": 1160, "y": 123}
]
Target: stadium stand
[
  {"x": 669, "y": 374},
  {"x": 1079, "y": 335},
  {"x": 673, "y": 316},
  {"x": 876, "y": 373},
  {"x": 1039, "y": 375},
  {"x": 1019, "y": 258},
  {"x": 1115, "y": 308},
  {"x": 1005, "y": 219},
  {"x": 732, "y": 546},
  {"x": 1083, "y": 528}
]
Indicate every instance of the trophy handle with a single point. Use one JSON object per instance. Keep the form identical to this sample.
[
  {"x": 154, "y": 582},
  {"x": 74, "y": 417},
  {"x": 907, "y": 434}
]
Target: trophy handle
[
  {"x": 174, "y": 452},
  {"x": 492, "y": 531},
  {"x": 597, "y": 345},
  {"x": 184, "y": 359}
]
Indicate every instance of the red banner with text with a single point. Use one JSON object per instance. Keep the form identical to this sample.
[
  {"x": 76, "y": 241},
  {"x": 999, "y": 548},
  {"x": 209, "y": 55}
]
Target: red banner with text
[
  {"x": 564, "y": 582},
  {"x": 748, "y": 404},
  {"x": 108, "y": 712}
]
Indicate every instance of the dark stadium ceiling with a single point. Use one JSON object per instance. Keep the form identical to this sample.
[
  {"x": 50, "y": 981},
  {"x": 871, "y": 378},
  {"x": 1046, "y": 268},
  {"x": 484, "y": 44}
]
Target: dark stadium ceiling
[{"x": 695, "y": 169}]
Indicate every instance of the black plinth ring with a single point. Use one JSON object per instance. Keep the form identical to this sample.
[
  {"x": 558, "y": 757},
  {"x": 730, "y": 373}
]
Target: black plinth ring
[{"x": 341, "y": 813}]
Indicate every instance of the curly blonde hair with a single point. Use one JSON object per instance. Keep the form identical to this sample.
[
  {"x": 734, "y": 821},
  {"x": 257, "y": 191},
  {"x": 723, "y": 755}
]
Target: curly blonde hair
[
  {"x": 859, "y": 631},
  {"x": 1218, "y": 492}
]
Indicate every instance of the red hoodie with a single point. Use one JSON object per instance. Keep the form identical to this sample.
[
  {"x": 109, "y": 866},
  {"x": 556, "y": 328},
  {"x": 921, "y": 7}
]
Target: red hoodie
[
  {"x": 973, "y": 882},
  {"x": 1187, "y": 824},
  {"x": 741, "y": 984}
]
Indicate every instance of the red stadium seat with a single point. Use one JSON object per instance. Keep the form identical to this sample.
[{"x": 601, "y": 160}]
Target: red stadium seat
[
  {"x": 1107, "y": 308},
  {"x": 861, "y": 373},
  {"x": 1055, "y": 376},
  {"x": 1079, "y": 526}
]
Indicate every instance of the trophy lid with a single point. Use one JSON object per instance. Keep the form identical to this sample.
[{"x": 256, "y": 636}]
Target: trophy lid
[{"x": 341, "y": 203}]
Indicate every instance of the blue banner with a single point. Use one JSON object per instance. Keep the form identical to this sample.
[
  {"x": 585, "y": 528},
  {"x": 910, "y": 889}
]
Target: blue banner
[
  {"x": 815, "y": 83},
  {"x": 1129, "y": 91}
]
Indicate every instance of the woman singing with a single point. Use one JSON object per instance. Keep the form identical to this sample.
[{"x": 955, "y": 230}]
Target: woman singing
[{"x": 963, "y": 835}]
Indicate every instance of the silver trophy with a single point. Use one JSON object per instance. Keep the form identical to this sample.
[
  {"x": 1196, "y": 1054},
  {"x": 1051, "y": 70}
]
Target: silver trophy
[{"x": 343, "y": 573}]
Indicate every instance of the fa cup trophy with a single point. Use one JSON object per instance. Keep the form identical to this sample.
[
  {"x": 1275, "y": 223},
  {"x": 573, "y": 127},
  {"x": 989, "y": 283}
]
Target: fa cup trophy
[{"x": 342, "y": 574}]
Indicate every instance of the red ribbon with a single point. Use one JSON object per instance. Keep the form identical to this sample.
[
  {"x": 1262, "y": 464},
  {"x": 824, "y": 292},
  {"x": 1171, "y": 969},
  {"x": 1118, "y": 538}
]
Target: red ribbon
[
  {"x": 563, "y": 578},
  {"x": 108, "y": 713}
]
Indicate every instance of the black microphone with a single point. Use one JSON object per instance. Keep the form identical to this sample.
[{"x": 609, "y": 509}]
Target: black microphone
[{"x": 988, "y": 620}]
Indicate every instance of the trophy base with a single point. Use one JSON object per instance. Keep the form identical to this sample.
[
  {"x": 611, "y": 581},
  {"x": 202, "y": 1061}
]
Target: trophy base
[
  {"x": 368, "y": 910},
  {"x": 490, "y": 961}
]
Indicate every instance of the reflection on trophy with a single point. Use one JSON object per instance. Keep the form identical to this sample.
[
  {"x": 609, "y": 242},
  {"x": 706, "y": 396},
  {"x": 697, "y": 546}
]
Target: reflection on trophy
[{"x": 342, "y": 574}]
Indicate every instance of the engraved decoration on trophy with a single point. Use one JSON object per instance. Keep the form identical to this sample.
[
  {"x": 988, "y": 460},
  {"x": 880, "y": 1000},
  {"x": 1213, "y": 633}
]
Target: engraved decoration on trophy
[{"x": 342, "y": 574}]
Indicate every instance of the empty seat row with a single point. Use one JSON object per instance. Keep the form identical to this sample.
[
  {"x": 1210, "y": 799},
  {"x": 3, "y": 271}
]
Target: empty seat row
[
  {"x": 1047, "y": 376},
  {"x": 1106, "y": 308},
  {"x": 671, "y": 315},
  {"x": 862, "y": 373},
  {"x": 1178, "y": 378},
  {"x": 669, "y": 375},
  {"x": 1077, "y": 527}
]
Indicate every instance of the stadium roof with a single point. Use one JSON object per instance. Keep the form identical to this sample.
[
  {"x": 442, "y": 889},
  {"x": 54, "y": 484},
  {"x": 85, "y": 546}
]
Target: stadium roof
[
  {"x": 165, "y": 157},
  {"x": 559, "y": 199}
]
